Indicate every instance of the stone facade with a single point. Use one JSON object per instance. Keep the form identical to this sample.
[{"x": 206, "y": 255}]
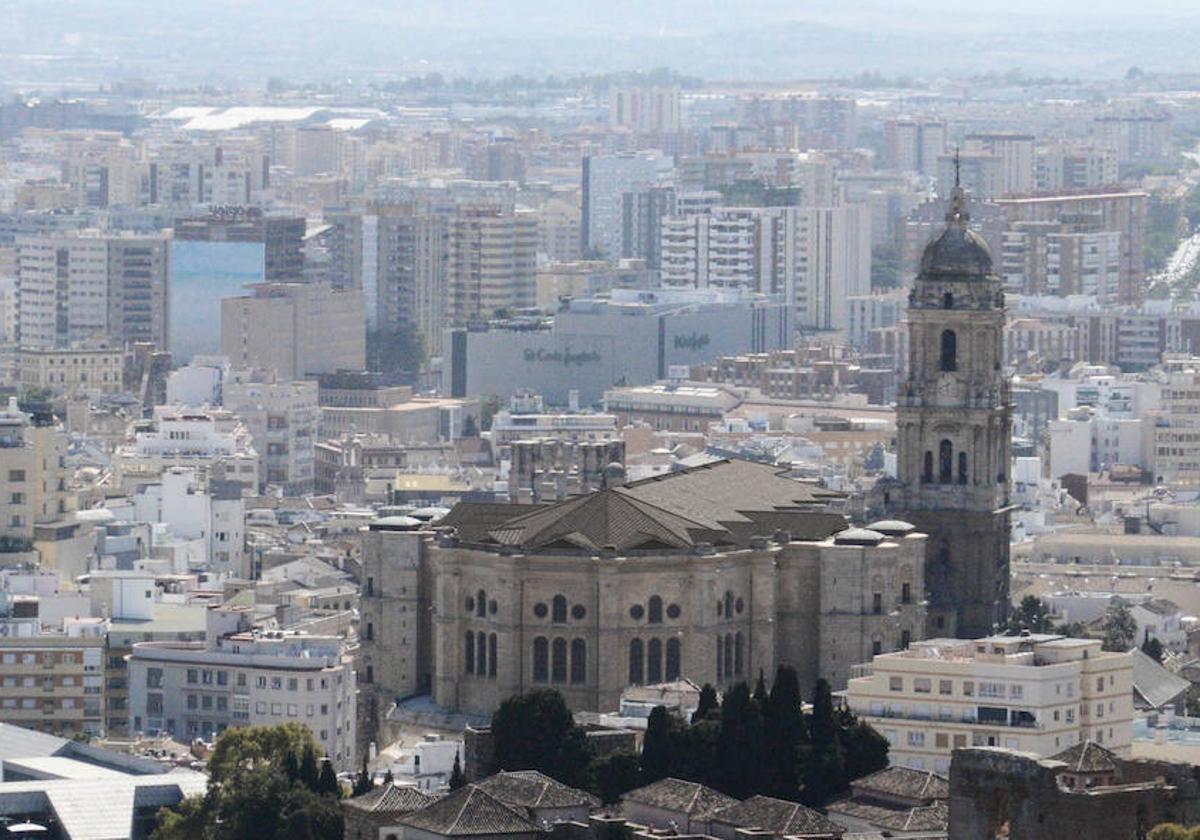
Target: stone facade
[
  {"x": 954, "y": 428},
  {"x": 509, "y": 609},
  {"x": 1003, "y": 793}
]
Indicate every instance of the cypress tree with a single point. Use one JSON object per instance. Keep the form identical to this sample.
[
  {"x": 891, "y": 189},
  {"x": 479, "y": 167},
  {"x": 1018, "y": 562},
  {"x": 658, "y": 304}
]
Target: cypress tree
[
  {"x": 708, "y": 703},
  {"x": 387, "y": 777},
  {"x": 760, "y": 692},
  {"x": 363, "y": 783},
  {"x": 327, "y": 783},
  {"x": 656, "y": 746},
  {"x": 457, "y": 778},
  {"x": 784, "y": 719},
  {"x": 308, "y": 769},
  {"x": 291, "y": 766},
  {"x": 741, "y": 744}
]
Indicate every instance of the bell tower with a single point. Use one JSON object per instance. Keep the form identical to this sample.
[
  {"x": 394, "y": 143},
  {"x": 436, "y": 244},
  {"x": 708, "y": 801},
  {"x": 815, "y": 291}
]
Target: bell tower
[{"x": 954, "y": 429}]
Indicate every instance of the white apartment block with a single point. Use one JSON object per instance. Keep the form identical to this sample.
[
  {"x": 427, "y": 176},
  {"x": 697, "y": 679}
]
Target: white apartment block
[
  {"x": 829, "y": 252},
  {"x": 606, "y": 179},
  {"x": 243, "y": 676},
  {"x": 215, "y": 443},
  {"x": 282, "y": 418},
  {"x": 216, "y": 516},
  {"x": 1177, "y": 432},
  {"x": 62, "y": 290},
  {"x": 1034, "y": 693},
  {"x": 1017, "y": 154}
]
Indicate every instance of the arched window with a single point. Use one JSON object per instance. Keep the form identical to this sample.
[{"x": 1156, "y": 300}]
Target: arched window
[
  {"x": 720, "y": 661},
  {"x": 728, "y": 605},
  {"x": 481, "y": 603},
  {"x": 636, "y": 672},
  {"x": 949, "y": 350},
  {"x": 578, "y": 661},
  {"x": 654, "y": 610},
  {"x": 541, "y": 659},
  {"x": 558, "y": 661},
  {"x": 927, "y": 472},
  {"x": 654, "y": 661},
  {"x": 948, "y": 301},
  {"x": 673, "y": 657},
  {"x": 469, "y": 651},
  {"x": 481, "y": 655},
  {"x": 558, "y": 610},
  {"x": 945, "y": 462},
  {"x": 492, "y": 655},
  {"x": 728, "y": 656},
  {"x": 962, "y": 467},
  {"x": 737, "y": 655}
]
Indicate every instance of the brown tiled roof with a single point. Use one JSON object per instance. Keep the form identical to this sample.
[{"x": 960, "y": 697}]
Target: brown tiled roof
[
  {"x": 906, "y": 782},
  {"x": 468, "y": 811},
  {"x": 778, "y": 816},
  {"x": 691, "y": 798},
  {"x": 392, "y": 799},
  {"x": 531, "y": 789},
  {"x": 1088, "y": 757},
  {"x": 473, "y": 520}
]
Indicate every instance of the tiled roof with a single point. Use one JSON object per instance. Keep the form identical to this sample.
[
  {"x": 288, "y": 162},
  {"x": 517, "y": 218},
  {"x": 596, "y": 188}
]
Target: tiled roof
[
  {"x": 392, "y": 799},
  {"x": 691, "y": 798},
  {"x": 1088, "y": 757},
  {"x": 926, "y": 818},
  {"x": 1153, "y": 685},
  {"x": 533, "y": 790},
  {"x": 723, "y": 503},
  {"x": 906, "y": 782},
  {"x": 468, "y": 811},
  {"x": 778, "y": 816}
]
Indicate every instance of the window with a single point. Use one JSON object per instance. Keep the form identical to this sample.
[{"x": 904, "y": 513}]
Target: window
[
  {"x": 945, "y": 686},
  {"x": 877, "y": 603},
  {"x": 916, "y": 739},
  {"x": 154, "y": 678},
  {"x": 558, "y": 661},
  {"x": 654, "y": 661},
  {"x": 654, "y": 610},
  {"x": 905, "y": 638},
  {"x": 469, "y": 653},
  {"x": 541, "y": 659},
  {"x": 293, "y": 684},
  {"x": 945, "y": 462},
  {"x": 941, "y": 740},
  {"x": 191, "y": 701},
  {"x": 737, "y": 655},
  {"x": 222, "y": 678},
  {"x": 636, "y": 672},
  {"x": 948, "y": 301},
  {"x": 895, "y": 683},
  {"x": 193, "y": 676},
  {"x": 578, "y": 661},
  {"x": 481, "y": 604},
  {"x": 922, "y": 685},
  {"x": 558, "y": 610},
  {"x": 876, "y": 647},
  {"x": 1016, "y": 692},
  {"x": 492, "y": 645},
  {"x": 673, "y": 657},
  {"x": 277, "y": 683},
  {"x": 949, "y": 351},
  {"x": 481, "y": 654},
  {"x": 370, "y": 631},
  {"x": 927, "y": 471},
  {"x": 968, "y": 688},
  {"x": 728, "y": 656},
  {"x": 16, "y": 475},
  {"x": 906, "y": 593},
  {"x": 991, "y": 689}
]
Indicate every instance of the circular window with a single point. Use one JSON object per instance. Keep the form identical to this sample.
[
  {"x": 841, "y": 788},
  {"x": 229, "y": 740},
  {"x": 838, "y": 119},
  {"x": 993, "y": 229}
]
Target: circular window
[
  {"x": 636, "y": 612},
  {"x": 739, "y": 606},
  {"x": 492, "y": 607},
  {"x": 540, "y": 610},
  {"x": 578, "y": 612},
  {"x": 673, "y": 611},
  {"x": 470, "y": 604}
]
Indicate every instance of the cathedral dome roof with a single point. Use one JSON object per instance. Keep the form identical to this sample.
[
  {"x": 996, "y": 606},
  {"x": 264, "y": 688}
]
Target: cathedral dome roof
[{"x": 957, "y": 251}]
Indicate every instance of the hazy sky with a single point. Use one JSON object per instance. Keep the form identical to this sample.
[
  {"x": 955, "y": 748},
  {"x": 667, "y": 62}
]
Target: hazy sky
[{"x": 229, "y": 40}]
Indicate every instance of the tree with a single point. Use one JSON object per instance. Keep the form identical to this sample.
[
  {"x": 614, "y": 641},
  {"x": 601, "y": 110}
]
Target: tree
[
  {"x": 1153, "y": 648},
  {"x": 387, "y": 777},
  {"x": 783, "y": 717},
  {"x": 310, "y": 775},
  {"x": 1031, "y": 614},
  {"x": 457, "y": 778},
  {"x": 252, "y": 794},
  {"x": 327, "y": 782},
  {"x": 740, "y": 745},
  {"x": 1073, "y": 629},
  {"x": 824, "y": 769},
  {"x": 656, "y": 746},
  {"x": 1119, "y": 628},
  {"x": 535, "y": 731},
  {"x": 709, "y": 704},
  {"x": 615, "y": 775},
  {"x": 488, "y": 407},
  {"x": 760, "y": 691},
  {"x": 1173, "y": 831},
  {"x": 395, "y": 350},
  {"x": 694, "y": 750},
  {"x": 363, "y": 782},
  {"x": 866, "y": 751}
]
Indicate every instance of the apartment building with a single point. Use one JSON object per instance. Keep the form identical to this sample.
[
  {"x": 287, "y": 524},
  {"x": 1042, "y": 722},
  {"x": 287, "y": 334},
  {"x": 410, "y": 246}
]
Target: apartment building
[
  {"x": 1035, "y": 693},
  {"x": 282, "y": 418},
  {"x": 492, "y": 262},
  {"x": 65, "y": 371},
  {"x": 606, "y": 180},
  {"x": 243, "y": 676},
  {"x": 1016, "y": 155},
  {"x": 215, "y": 443},
  {"x": 53, "y": 681},
  {"x": 914, "y": 144},
  {"x": 1177, "y": 429},
  {"x": 33, "y": 473}
]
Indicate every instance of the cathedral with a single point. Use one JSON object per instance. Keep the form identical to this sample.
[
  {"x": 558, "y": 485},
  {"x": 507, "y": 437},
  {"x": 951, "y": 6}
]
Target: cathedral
[{"x": 954, "y": 424}]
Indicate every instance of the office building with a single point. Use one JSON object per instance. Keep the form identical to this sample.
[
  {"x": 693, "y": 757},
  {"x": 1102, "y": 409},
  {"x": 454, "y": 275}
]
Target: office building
[
  {"x": 1039, "y": 694},
  {"x": 294, "y": 329}
]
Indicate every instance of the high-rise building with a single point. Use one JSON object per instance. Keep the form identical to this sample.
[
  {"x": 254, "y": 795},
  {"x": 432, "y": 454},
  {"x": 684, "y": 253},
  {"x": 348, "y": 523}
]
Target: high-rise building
[
  {"x": 1073, "y": 256},
  {"x": 138, "y": 267},
  {"x": 1017, "y": 158},
  {"x": 492, "y": 262},
  {"x": 914, "y": 144},
  {"x": 1135, "y": 137},
  {"x": 650, "y": 110},
  {"x": 606, "y": 179},
  {"x": 642, "y": 214},
  {"x": 954, "y": 429},
  {"x": 1064, "y": 167},
  {"x": 295, "y": 329},
  {"x": 220, "y": 256}
]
